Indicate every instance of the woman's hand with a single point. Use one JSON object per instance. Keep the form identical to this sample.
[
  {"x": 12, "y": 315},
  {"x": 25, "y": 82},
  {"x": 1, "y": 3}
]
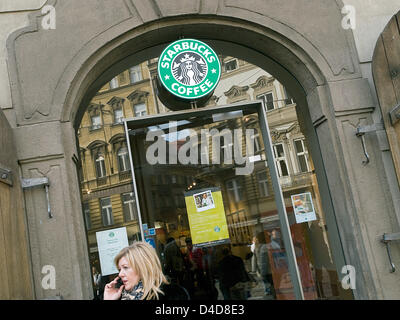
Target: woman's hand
[{"x": 111, "y": 292}]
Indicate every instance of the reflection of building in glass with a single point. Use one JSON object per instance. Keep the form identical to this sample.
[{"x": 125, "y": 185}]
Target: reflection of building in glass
[{"x": 106, "y": 180}]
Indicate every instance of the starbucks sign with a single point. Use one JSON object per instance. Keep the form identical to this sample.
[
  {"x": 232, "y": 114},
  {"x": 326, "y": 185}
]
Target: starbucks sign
[{"x": 189, "y": 69}]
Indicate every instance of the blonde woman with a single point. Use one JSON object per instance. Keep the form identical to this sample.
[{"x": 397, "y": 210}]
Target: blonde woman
[{"x": 142, "y": 277}]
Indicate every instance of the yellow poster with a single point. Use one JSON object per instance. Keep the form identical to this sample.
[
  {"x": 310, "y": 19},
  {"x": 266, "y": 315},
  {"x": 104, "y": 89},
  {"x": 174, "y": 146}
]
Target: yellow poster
[{"x": 207, "y": 219}]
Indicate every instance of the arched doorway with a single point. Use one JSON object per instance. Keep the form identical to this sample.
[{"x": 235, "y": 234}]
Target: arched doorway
[{"x": 239, "y": 51}]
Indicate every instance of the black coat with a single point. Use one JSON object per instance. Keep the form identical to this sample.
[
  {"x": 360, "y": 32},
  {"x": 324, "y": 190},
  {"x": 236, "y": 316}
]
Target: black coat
[
  {"x": 173, "y": 291},
  {"x": 231, "y": 270}
]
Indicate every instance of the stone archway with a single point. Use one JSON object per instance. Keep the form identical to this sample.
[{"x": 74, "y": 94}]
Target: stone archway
[{"x": 318, "y": 65}]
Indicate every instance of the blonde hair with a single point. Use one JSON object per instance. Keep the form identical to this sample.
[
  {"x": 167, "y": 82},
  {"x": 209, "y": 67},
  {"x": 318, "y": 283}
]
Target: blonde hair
[{"x": 143, "y": 259}]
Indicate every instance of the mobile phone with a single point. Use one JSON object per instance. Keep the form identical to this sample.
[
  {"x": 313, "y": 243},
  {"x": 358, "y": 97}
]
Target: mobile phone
[{"x": 119, "y": 283}]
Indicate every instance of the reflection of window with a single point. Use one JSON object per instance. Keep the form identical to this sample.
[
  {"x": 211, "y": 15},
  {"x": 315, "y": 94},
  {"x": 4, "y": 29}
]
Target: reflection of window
[
  {"x": 231, "y": 65},
  {"x": 168, "y": 201},
  {"x": 123, "y": 159},
  {"x": 81, "y": 176},
  {"x": 281, "y": 161},
  {"x": 100, "y": 166},
  {"x": 106, "y": 211},
  {"x": 140, "y": 110},
  {"x": 257, "y": 141},
  {"x": 179, "y": 201},
  {"x": 268, "y": 99},
  {"x": 263, "y": 183},
  {"x": 135, "y": 74},
  {"x": 96, "y": 122},
  {"x": 129, "y": 206},
  {"x": 114, "y": 83},
  {"x": 86, "y": 213},
  {"x": 234, "y": 189},
  {"x": 156, "y": 203},
  {"x": 118, "y": 115},
  {"x": 301, "y": 153}
]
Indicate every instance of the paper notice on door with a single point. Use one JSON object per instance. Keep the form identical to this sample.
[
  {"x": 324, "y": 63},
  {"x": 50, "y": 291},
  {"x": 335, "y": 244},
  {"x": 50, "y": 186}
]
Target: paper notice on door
[
  {"x": 303, "y": 207},
  {"x": 207, "y": 218},
  {"x": 109, "y": 243}
]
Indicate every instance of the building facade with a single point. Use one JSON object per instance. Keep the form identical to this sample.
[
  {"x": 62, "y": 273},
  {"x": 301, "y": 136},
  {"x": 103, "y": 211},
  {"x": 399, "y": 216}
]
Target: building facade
[{"x": 50, "y": 82}]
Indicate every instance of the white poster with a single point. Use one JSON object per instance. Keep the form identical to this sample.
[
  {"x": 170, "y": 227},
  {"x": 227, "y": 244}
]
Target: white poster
[
  {"x": 303, "y": 207},
  {"x": 110, "y": 243}
]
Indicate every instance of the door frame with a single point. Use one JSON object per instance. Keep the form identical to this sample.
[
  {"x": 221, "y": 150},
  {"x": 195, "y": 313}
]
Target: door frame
[{"x": 257, "y": 106}]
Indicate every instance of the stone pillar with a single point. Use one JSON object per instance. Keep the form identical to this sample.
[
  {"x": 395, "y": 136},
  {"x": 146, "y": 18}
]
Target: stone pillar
[
  {"x": 46, "y": 150},
  {"x": 359, "y": 192}
]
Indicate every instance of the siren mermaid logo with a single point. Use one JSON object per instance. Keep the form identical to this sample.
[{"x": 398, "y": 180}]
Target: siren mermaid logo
[{"x": 189, "y": 69}]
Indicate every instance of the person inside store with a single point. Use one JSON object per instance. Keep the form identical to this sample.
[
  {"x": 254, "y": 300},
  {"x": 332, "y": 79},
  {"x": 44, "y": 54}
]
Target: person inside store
[
  {"x": 96, "y": 282},
  {"x": 263, "y": 264},
  {"x": 232, "y": 276},
  {"x": 253, "y": 257},
  {"x": 195, "y": 280},
  {"x": 276, "y": 241},
  {"x": 173, "y": 261},
  {"x": 141, "y": 277}
]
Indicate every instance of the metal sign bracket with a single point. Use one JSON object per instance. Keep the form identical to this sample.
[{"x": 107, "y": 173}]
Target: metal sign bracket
[
  {"x": 38, "y": 182},
  {"x": 361, "y": 131},
  {"x": 387, "y": 238}
]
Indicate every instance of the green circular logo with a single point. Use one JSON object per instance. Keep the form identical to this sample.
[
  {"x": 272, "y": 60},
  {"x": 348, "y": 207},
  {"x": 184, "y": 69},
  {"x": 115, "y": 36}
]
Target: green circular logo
[{"x": 189, "y": 69}]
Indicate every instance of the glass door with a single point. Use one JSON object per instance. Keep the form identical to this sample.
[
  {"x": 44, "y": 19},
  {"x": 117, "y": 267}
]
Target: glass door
[{"x": 209, "y": 197}]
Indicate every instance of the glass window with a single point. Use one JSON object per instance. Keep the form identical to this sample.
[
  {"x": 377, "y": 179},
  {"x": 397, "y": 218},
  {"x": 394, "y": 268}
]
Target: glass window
[
  {"x": 129, "y": 206},
  {"x": 140, "y": 110},
  {"x": 156, "y": 203},
  {"x": 268, "y": 99},
  {"x": 100, "y": 166},
  {"x": 226, "y": 152},
  {"x": 244, "y": 213},
  {"x": 118, "y": 115},
  {"x": 231, "y": 65},
  {"x": 234, "y": 189},
  {"x": 257, "y": 141},
  {"x": 302, "y": 154},
  {"x": 96, "y": 122},
  {"x": 263, "y": 183},
  {"x": 281, "y": 161},
  {"x": 135, "y": 74},
  {"x": 123, "y": 159},
  {"x": 106, "y": 211},
  {"x": 114, "y": 83},
  {"x": 86, "y": 213}
]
